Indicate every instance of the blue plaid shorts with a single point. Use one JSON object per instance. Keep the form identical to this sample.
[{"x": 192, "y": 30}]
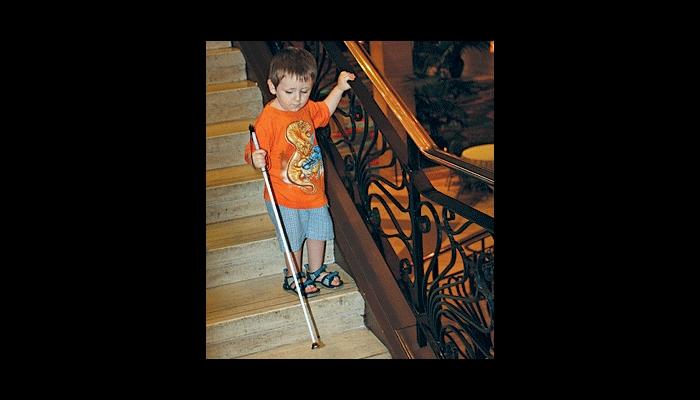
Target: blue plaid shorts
[{"x": 301, "y": 224}]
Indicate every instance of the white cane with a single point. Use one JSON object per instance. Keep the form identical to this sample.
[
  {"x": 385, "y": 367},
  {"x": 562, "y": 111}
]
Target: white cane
[{"x": 288, "y": 250}]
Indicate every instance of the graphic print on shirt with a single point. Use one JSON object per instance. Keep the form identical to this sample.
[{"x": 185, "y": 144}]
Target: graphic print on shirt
[{"x": 305, "y": 163}]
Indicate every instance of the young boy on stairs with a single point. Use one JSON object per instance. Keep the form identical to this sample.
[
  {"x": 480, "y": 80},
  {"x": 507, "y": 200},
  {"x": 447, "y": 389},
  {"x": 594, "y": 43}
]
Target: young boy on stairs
[{"x": 286, "y": 133}]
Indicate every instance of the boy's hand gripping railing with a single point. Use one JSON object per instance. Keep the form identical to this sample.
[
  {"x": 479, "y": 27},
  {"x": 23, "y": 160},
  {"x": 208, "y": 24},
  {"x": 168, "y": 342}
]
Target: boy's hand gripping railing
[{"x": 288, "y": 250}]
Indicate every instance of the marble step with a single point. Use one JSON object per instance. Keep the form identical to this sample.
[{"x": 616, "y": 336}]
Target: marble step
[
  {"x": 218, "y": 44},
  {"x": 256, "y": 315},
  {"x": 247, "y": 248},
  {"x": 386, "y": 355},
  {"x": 352, "y": 344},
  {"x": 226, "y": 143},
  {"x": 232, "y": 101},
  {"x": 234, "y": 192},
  {"x": 225, "y": 65}
]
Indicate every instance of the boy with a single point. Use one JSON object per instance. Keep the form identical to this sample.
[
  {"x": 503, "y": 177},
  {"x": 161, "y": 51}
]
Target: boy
[{"x": 286, "y": 133}]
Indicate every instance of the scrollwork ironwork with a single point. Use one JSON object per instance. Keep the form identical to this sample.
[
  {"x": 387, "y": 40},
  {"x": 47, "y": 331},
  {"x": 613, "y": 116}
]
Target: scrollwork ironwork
[{"x": 454, "y": 286}]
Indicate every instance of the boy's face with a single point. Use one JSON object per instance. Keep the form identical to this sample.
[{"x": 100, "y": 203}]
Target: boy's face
[{"x": 292, "y": 93}]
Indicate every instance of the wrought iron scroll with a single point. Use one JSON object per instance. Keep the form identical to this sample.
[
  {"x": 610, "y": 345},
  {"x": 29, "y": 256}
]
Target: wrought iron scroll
[{"x": 451, "y": 289}]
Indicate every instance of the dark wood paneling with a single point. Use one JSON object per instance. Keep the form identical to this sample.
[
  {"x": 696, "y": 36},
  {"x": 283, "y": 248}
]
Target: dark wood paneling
[{"x": 388, "y": 309}]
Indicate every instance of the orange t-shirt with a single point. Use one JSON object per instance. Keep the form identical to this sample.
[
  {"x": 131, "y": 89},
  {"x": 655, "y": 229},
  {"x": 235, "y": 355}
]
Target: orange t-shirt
[{"x": 293, "y": 156}]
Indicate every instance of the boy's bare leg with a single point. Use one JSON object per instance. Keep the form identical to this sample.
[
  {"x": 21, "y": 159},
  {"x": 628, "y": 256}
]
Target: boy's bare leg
[
  {"x": 317, "y": 249},
  {"x": 297, "y": 258}
]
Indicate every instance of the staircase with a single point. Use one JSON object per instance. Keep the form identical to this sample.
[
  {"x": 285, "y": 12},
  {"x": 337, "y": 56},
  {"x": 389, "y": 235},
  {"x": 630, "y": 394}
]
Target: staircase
[{"x": 248, "y": 314}]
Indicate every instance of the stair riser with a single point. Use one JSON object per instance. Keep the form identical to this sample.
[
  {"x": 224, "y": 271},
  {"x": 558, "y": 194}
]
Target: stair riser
[
  {"x": 348, "y": 308},
  {"x": 251, "y": 260},
  {"x": 235, "y": 201},
  {"x": 227, "y": 67},
  {"x": 213, "y": 44},
  {"x": 295, "y": 330},
  {"x": 226, "y": 151},
  {"x": 353, "y": 344},
  {"x": 233, "y": 104},
  {"x": 247, "y": 345}
]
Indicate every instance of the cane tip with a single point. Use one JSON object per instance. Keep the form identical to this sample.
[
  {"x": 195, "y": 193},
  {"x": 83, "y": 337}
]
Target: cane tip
[{"x": 314, "y": 345}]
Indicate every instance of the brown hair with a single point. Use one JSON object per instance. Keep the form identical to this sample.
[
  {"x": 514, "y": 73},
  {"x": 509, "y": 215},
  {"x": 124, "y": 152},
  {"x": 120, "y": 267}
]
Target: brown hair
[{"x": 292, "y": 61}]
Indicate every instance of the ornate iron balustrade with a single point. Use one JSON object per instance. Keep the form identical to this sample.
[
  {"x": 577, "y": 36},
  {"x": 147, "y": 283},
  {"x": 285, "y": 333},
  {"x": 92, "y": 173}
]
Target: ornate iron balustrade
[{"x": 451, "y": 290}]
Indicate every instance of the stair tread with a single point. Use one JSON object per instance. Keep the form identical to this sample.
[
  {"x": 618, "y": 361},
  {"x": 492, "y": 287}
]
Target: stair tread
[
  {"x": 222, "y": 50},
  {"x": 232, "y": 175},
  {"x": 385, "y": 355},
  {"x": 220, "y": 87},
  {"x": 264, "y": 294},
  {"x": 229, "y": 127},
  {"x": 240, "y": 230},
  {"x": 350, "y": 344}
]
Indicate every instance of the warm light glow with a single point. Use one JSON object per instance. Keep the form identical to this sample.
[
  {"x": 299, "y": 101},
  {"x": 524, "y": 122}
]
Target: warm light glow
[{"x": 491, "y": 46}]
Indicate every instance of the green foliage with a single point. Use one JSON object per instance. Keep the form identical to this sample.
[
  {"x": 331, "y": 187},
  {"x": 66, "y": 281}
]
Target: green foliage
[
  {"x": 442, "y": 58},
  {"x": 437, "y": 67},
  {"x": 437, "y": 106}
]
